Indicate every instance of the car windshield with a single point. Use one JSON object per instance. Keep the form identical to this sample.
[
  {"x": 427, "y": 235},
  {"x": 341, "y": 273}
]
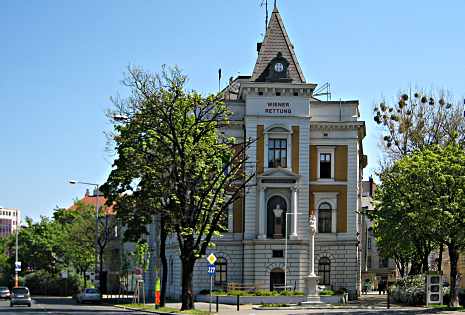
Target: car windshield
[
  {"x": 91, "y": 291},
  {"x": 20, "y": 291},
  {"x": 3, "y": 288}
]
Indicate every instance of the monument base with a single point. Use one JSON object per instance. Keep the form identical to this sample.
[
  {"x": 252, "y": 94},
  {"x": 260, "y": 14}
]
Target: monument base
[{"x": 311, "y": 290}]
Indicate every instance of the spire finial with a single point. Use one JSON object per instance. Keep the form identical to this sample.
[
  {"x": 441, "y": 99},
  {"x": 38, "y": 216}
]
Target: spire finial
[{"x": 275, "y": 4}]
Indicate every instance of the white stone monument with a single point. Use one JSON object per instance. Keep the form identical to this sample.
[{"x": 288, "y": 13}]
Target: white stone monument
[{"x": 311, "y": 281}]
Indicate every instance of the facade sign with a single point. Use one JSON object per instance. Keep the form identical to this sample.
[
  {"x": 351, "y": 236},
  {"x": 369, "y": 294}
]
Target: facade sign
[{"x": 277, "y": 106}]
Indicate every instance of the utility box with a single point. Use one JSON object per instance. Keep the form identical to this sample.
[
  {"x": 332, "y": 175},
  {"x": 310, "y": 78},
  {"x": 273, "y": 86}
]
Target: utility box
[{"x": 434, "y": 289}]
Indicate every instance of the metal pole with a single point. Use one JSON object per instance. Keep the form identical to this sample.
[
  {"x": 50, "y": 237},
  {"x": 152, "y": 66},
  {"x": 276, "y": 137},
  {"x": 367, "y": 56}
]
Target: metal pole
[
  {"x": 96, "y": 238},
  {"x": 16, "y": 249},
  {"x": 211, "y": 289},
  {"x": 285, "y": 252}
]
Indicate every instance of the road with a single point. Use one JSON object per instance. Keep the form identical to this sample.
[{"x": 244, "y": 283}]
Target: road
[
  {"x": 66, "y": 306},
  {"x": 61, "y": 306}
]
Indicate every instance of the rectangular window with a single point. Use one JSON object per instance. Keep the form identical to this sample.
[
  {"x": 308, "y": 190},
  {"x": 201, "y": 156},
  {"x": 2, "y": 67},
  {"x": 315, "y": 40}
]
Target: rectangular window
[
  {"x": 277, "y": 153},
  {"x": 325, "y": 165},
  {"x": 278, "y": 253},
  {"x": 369, "y": 261},
  {"x": 383, "y": 262},
  {"x": 369, "y": 243}
]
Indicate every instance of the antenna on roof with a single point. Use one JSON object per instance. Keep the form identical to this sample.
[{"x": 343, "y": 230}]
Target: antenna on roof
[
  {"x": 265, "y": 3},
  {"x": 325, "y": 89}
]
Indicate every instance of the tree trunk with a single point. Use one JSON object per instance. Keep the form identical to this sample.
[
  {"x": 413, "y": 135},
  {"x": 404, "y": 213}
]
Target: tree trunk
[
  {"x": 416, "y": 268},
  {"x": 441, "y": 249},
  {"x": 164, "y": 263},
  {"x": 454, "y": 258},
  {"x": 425, "y": 261},
  {"x": 187, "y": 293},
  {"x": 100, "y": 254}
]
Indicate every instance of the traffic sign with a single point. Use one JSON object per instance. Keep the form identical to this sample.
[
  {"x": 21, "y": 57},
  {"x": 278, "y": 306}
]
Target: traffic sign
[
  {"x": 18, "y": 266},
  {"x": 211, "y": 258},
  {"x": 211, "y": 270}
]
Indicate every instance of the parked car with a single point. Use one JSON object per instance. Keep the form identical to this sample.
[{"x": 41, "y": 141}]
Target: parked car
[
  {"x": 4, "y": 293},
  {"x": 20, "y": 296},
  {"x": 89, "y": 295}
]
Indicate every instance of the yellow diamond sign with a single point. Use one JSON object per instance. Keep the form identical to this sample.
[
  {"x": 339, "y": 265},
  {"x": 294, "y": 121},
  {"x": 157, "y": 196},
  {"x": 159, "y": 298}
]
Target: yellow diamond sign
[{"x": 211, "y": 259}]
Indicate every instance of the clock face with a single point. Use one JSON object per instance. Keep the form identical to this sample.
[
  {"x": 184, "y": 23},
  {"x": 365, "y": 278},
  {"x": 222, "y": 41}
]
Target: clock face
[{"x": 278, "y": 67}]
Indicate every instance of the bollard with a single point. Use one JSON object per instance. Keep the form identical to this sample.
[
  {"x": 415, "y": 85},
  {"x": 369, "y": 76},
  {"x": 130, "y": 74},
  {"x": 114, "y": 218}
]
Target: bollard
[
  {"x": 237, "y": 302},
  {"x": 388, "y": 299},
  {"x": 217, "y": 297}
]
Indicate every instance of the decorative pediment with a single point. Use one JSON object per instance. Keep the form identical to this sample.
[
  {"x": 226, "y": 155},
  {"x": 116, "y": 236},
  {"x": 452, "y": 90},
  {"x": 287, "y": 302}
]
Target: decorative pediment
[{"x": 279, "y": 173}]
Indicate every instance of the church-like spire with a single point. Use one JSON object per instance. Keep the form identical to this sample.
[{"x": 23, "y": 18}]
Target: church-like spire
[{"x": 276, "y": 42}]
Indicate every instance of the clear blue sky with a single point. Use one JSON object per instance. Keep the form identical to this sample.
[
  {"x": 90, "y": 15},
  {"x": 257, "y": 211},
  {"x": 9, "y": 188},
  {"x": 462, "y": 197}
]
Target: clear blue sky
[{"x": 60, "y": 61}]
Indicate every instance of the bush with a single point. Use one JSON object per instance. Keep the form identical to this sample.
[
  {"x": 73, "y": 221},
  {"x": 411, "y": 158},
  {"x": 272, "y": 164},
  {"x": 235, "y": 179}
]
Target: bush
[
  {"x": 410, "y": 290},
  {"x": 43, "y": 283},
  {"x": 327, "y": 292},
  {"x": 267, "y": 293}
]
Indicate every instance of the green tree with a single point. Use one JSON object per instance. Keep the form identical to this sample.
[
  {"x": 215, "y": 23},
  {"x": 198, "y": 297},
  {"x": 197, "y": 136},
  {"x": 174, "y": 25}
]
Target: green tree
[
  {"x": 426, "y": 193},
  {"x": 79, "y": 224},
  {"x": 174, "y": 160},
  {"x": 413, "y": 122}
]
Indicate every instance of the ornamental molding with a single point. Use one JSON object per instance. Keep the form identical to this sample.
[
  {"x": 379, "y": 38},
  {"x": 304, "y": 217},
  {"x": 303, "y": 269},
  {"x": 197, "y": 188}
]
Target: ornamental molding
[{"x": 336, "y": 125}]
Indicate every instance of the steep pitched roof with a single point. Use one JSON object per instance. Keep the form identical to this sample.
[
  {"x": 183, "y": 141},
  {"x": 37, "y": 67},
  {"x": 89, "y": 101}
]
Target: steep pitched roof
[{"x": 276, "y": 40}]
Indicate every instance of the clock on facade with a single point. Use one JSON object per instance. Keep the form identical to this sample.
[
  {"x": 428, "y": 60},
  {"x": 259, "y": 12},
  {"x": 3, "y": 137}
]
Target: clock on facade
[{"x": 278, "y": 67}]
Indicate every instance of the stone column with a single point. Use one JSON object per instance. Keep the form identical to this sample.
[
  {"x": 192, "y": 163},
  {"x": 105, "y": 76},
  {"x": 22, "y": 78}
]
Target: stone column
[
  {"x": 311, "y": 281},
  {"x": 294, "y": 213},
  {"x": 261, "y": 213}
]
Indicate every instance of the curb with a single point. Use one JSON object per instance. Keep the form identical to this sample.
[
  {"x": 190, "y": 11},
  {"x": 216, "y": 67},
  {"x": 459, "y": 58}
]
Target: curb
[{"x": 141, "y": 310}]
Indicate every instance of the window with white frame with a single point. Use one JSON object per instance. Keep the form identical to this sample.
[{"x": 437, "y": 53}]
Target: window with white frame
[
  {"x": 324, "y": 218},
  {"x": 325, "y": 163},
  {"x": 277, "y": 152},
  {"x": 326, "y": 211}
]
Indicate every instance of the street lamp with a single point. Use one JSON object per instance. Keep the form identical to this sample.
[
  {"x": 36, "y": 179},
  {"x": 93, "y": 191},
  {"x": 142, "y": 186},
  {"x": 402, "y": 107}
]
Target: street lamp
[
  {"x": 285, "y": 246},
  {"x": 74, "y": 182}
]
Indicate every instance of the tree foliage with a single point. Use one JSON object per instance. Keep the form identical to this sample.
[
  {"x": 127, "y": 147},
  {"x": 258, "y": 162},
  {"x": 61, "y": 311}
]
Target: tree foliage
[
  {"x": 173, "y": 160},
  {"x": 422, "y": 198},
  {"x": 419, "y": 120}
]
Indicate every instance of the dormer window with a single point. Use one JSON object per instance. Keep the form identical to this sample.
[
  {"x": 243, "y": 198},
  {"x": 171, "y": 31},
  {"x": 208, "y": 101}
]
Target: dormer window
[{"x": 277, "y": 153}]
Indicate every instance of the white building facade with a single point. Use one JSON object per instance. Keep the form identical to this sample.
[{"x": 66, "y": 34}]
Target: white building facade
[
  {"x": 10, "y": 219},
  {"x": 308, "y": 160}
]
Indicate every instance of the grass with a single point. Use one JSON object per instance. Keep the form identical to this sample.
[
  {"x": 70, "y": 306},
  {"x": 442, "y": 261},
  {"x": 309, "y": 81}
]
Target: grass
[
  {"x": 444, "y": 307},
  {"x": 327, "y": 292},
  {"x": 274, "y": 305},
  {"x": 163, "y": 309},
  {"x": 258, "y": 293}
]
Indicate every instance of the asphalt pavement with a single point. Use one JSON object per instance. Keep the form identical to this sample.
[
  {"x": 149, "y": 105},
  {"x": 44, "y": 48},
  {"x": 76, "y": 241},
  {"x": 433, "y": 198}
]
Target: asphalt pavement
[{"x": 63, "y": 306}]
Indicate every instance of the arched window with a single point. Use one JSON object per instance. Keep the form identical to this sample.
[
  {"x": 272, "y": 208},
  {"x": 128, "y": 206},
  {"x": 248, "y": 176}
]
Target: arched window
[
  {"x": 324, "y": 218},
  {"x": 276, "y": 279},
  {"x": 324, "y": 270},
  {"x": 221, "y": 272},
  {"x": 276, "y": 217}
]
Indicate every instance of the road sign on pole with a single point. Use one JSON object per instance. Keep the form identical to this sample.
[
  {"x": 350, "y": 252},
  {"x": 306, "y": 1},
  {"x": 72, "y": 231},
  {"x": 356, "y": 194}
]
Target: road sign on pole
[
  {"x": 211, "y": 270},
  {"x": 211, "y": 273},
  {"x": 211, "y": 258},
  {"x": 18, "y": 266}
]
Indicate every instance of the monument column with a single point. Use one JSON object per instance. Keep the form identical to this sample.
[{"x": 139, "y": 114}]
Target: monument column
[{"x": 311, "y": 281}]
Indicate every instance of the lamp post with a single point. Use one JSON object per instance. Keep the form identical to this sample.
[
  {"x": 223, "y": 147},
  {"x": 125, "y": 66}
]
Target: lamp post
[
  {"x": 73, "y": 182},
  {"x": 16, "y": 249},
  {"x": 285, "y": 247}
]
